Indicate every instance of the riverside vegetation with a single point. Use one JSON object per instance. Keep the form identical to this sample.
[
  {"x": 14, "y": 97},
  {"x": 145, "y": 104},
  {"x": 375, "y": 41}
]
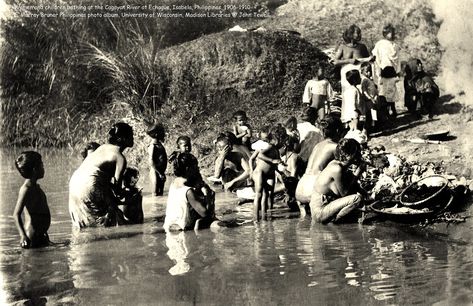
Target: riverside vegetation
[{"x": 65, "y": 81}]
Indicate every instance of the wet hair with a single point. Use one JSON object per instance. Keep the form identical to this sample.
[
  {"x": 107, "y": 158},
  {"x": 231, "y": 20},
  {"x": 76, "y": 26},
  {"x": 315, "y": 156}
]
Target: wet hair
[
  {"x": 130, "y": 172},
  {"x": 26, "y": 162},
  {"x": 349, "y": 33},
  {"x": 157, "y": 131},
  {"x": 353, "y": 77},
  {"x": 347, "y": 149},
  {"x": 389, "y": 28},
  {"x": 182, "y": 163},
  {"x": 365, "y": 65},
  {"x": 240, "y": 113},
  {"x": 291, "y": 123},
  {"x": 183, "y": 138},
  {"x": 331, "y": 126},
  {"x": 278, "y": 132},
  {"x": 89, "y": 146},
  {"x": 118, "y": 132}
]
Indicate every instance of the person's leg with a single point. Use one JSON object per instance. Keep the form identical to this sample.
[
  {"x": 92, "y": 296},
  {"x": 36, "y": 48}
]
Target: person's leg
[
  {"x": 258, "y": 180},
  {"x": 336, "y": 209},
  {"x": 160, "y": 186},
  {"x": 153, "y": 177}
]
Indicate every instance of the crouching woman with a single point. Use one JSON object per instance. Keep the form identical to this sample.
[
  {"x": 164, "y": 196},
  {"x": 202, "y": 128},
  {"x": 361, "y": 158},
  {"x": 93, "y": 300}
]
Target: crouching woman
[
  {"x": 336, "y": 192},
  {"x": 188, "y": 206}
]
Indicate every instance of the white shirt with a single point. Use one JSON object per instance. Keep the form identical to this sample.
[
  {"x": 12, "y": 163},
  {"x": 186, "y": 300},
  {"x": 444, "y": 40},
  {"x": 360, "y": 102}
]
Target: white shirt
[
  {"x": 386, "y": 53},
  {"x": 305, "y": 128}
]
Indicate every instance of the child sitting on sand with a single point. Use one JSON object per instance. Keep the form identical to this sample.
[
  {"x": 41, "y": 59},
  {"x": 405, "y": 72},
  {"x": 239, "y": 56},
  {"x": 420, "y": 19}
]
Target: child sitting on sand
[
  {"x": 157, "y": 158},
  {"x": 34, "y": 232},
  {"x": 264, "y": 173},
  {"x": 241, "y": 129},
  {"x": 185, "y": 208},
  {"x": 132, "y": 198}
]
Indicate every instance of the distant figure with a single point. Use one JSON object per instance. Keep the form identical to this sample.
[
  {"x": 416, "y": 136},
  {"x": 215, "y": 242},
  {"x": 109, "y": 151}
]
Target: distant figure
[
  {"x": 420, "y": 89},
  {"x": 94, "y": 185},
  {"x": 336, "y": 191},
  {"x": 132, "y": 198},
  {"x": 369, "y": 99},
  {"x": 89, "y": 148},
  {"x": 263, "y": 174},
  {"x": 34, "y": 232},
  {"x": 387, "y": 68},
  {"x": 317, "y": 93},
  {"x": 157, "y": 159},
  {"x": 185, "y": 208},
  {"x": 351, "y": 104},
  {"x": 231, "y": 165},
  {"x": 241, "y": 129},
  {"x": 322, "y": 154}
]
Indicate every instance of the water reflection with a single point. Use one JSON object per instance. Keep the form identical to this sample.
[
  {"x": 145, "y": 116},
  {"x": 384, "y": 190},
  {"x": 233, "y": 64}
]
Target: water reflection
[{"x": 178, "y": 252}]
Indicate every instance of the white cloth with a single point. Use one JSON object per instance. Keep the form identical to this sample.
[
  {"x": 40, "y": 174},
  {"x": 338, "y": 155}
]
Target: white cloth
[
  {"x": 305, "y": 128},
  {"x": 177, "y": 208},
  {"x": 349, "y": 104},
  {"x": 260, "y": 145},
  {"x": 386, "y": 53},
  {"x": 317, "y": 87}
]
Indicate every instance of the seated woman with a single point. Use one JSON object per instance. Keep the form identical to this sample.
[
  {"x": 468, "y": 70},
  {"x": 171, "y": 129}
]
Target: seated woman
[
  {"x": 187, "y": 207},
  {"x": 92, "y": 187},
  {"x": 321, "y": 155},
  {"x": 336, "y": 192}
]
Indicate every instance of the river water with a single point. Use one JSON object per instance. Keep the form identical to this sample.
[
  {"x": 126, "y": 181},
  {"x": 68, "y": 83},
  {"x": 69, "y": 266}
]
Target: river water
[{"x": 285, "y": 261}]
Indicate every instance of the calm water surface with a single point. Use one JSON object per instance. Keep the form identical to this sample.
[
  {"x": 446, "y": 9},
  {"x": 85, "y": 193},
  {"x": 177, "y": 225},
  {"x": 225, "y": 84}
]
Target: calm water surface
[{"x": 286, "y": 261}]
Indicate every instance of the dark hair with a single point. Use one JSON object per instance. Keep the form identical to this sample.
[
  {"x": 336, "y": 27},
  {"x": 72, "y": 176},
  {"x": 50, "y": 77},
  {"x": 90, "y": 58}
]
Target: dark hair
[
  {"x": 118, "y": 132},
  {"x": 347, "y": 149},
  {"x": 331, "y": 126},
  {"x": 182, "y": 163},
  {"x": 291, "y": 122},
  {"x": 184, "y": 138},
  {"x": 157, "y": 131},
  {"x": 389, "y": 28},
  {"x": 130, "y": 172},
  {"x": 365, "y": 65},
  {"x": 89, "y": 146},
  {"x": 292, "y": 144},
  {"x": 353, "y": 77},
  {"x": 309, "y": 114},
  {"x": 26, "y": 162},
  {"x": 349, "y": 32},
  {"x": 231, "y": 137},
  {"x": 240, "y": 113},
  {"x": 223, "y": 138},
  {"x": 278, "y": 132}
]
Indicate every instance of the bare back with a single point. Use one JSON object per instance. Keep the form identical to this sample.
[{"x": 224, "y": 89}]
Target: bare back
[
  {"x": 264, "y": 166},
  {"x": 107, "y": 158},
  {"x": 321, "y": 155},
  {"x": 37, "y": 216},
  {"x": 332, "y": 180}
]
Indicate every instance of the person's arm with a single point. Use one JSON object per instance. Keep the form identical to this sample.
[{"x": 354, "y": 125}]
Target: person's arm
[
  {"x": 220, "y": 162},
  {"x": 162, "y": 163},
  {"x": 267, "y": 159},
  {"x": 20, "y": 205},
  {"x": 330, "y": 92},
  {"x": 242, "y": 134},
  {"x": 150, "y": 157},
  {"x": 243, "y": 176},
  {"x": 195, "y": 203},
  {"x": 292, "y": 164},
  {"x": 252, "y": 160},
  {"x": 307, "y": 91},
  {"x": 120, "y": 166}
]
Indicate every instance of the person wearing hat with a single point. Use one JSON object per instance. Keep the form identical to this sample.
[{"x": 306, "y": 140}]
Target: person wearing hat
[{"x": 158, "y": 159}]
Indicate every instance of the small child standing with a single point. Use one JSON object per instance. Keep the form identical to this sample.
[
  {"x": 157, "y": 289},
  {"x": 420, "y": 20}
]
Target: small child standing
[
  {"x": 264, "y": 173},
  {"x": 351, "y": 104},
  {"x": 132, "y": 198},
  {"x": 34, "y": 232},
  {"x": 387, "y": 68},
  {"x": 241, "y": 129},
  {"x": 317, "y": 93},
  {"x": 369, "y": 97},
  {"x": 157, "y": 158}
]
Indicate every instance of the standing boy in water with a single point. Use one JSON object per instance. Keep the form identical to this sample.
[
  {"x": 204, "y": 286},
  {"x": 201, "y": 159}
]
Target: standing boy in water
[
  {"x": 157, "y": 159},
  {"x": 34, "y": 232},
  {"x": 264, "y": 173},
  {"x": 132, "y": 197}
]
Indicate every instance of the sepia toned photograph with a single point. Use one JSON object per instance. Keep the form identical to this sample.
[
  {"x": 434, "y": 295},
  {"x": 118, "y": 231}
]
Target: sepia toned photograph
[{"x": 236, "y": 152}]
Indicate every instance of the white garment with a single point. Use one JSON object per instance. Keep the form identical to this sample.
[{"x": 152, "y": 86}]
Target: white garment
[
  {"x": 305, "y": 128},
  {"x": 177, "y": 207},
  {"x": 260, "y": 145},
  {"x": 349, "y": 104},
  {"x": 386, "y": 53},
  {"x": 317, "y": 87}
]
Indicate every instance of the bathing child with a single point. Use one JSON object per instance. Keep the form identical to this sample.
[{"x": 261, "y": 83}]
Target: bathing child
[
  {"x": 241, "y": 129},
  {"x": 185, "y": 208},
  {"x": 132, "y": 198},
  {"x": 157, "y": 158},
  {"x": 264, "y": 172},
  {"x": 34, "y": 231}
]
